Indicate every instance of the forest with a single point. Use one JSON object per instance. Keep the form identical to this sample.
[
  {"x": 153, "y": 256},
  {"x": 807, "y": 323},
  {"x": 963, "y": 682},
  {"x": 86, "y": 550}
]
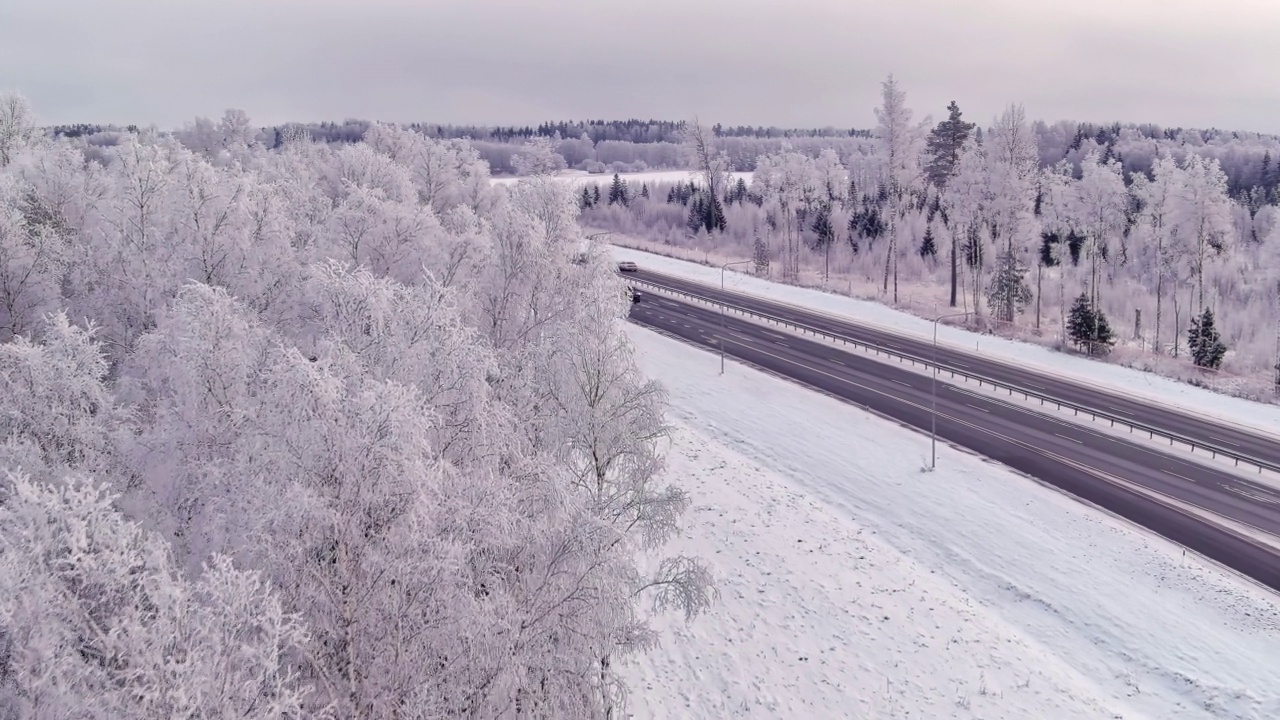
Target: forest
[{"x": 325, "y": 430}]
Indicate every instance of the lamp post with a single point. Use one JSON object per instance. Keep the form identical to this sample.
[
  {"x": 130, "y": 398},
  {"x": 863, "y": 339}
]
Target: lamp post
[
  {"x": 724, "y": 267},
  {"x": 933, "y": 421}
]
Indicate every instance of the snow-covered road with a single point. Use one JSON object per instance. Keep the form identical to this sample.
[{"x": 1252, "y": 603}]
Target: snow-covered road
[{"x": 854, "y": 585}]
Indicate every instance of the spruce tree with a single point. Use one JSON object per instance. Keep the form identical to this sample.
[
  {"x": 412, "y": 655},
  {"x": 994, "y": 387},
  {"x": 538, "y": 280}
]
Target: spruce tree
[
  {"x": 1206, "y": 346},
  {"x": 1088, "y": 328},
  {"x": 595, "y": 196},
  {"x": 697, "y": 216},
  {"x": 618, "y": 191},
  {"x": 928, "y": 248},
  {"x": 586, "y": 197},
  {"x": 644, "y": 191}
]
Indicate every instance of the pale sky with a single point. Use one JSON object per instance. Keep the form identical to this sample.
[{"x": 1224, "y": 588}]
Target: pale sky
[{"x": 1191, "y": 63}]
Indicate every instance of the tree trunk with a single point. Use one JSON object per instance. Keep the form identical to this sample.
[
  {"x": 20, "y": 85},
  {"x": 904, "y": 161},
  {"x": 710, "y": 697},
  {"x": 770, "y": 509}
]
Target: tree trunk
[
  {"x": 1155, "y": 342},
  {"x": 955, "y": 266},
  {"x": 1039, "y": 284}
]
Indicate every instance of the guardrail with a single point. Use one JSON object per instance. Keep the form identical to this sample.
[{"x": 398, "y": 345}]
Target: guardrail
[{"x": 1027, "y": 394}]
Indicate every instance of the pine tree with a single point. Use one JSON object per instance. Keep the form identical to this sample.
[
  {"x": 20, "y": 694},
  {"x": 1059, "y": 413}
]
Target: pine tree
[
  {"x": 1204, "y": 343},
  {"x": 644, "y": 191},
  {"x": 1009, "y": 293},
  {"x": 595, "y": 196},
  {"x": 944, "y": 144},
  {"x": 1088, "y": 328},
  {"x": 928, "y": 248},
  {"x": 586, "y": 197},
  {"x": 618, "y": 192}
]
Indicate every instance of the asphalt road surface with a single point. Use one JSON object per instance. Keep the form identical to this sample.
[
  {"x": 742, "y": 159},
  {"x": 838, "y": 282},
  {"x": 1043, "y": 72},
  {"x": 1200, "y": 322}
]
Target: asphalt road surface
[
  {"x": 1103, "y": 469},
  {"x": 1205, "y": 432}
]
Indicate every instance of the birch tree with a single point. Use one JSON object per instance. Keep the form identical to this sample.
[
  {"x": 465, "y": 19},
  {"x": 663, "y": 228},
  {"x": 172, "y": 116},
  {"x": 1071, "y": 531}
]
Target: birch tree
[
  {"x": 901, "y": 143},
  {"x": 1203, "y": 212},
  {"x": 1158, "y": 228}
]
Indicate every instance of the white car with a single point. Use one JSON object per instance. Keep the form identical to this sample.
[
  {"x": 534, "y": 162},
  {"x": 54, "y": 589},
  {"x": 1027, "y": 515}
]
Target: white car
[{"x": 628, "y": 266}]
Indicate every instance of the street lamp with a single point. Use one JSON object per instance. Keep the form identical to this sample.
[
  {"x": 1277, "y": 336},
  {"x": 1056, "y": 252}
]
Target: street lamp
[
  {"x": 933, "y": 424},
  {"x": 724, "y": 267}
]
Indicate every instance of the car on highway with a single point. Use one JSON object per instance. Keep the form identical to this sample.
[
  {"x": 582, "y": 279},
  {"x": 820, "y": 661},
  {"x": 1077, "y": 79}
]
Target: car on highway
[
  {"x": 634, "y": 294},
  {"x": 628, "y": 266}
]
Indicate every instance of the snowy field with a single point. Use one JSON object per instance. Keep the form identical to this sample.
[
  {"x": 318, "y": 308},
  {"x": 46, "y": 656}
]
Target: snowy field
[
  {"x": 581, "y": 177},
  {"x": 1259, "y": 416},
  {"x": 854, "y": 585}
]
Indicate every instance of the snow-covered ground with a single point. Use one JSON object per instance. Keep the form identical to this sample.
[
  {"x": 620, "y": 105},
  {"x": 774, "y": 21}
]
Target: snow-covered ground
[
  {"x": 1263, "y": 417},
  {"x": 854, "y": 585},
  {"x": 581, "y": 177}
]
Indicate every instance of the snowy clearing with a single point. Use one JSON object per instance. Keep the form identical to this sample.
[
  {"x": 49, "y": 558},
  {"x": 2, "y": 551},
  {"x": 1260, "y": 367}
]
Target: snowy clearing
[
  {"x": 855, "y": 585},
  {"x": 1260, "y": 416}
]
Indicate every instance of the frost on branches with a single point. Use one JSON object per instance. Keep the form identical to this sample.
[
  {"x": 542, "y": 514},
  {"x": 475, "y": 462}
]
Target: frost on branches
[{"x": 363, "y": 441}]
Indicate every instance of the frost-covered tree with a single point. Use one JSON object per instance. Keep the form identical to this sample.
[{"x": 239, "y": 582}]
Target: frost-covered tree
[
  {"x": 1157, "y": 228},
  {"x": 789, "y": 183},
  {"x": 538, "y": 156},
  {"x": 1101, "y": 199},
  {"x": 1013, "y": 172},
  {"x": 901, "y": 143},
  {"x": 17, "y": 126},
  {"x": 96, "y": 622},
  {"x": 1203, "y": 214}
]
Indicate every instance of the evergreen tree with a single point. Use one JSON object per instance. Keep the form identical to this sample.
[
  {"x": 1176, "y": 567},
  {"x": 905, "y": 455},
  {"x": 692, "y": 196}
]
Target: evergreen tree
[
  {"x": 586, "y": 197},
  {"x": 595, "y": 196},
  {"x": 618, "y": 191},
  {"x": 1204, "y": 343},
  {"x": 822, "y": 227},
  {"x": 1088, "y": 328},
  {"x": 644, "y": 191},
  {"x": 928, "y": 248},
  {"x": 740, "y": 191},
  {"x": 697, "y": 215},
  {"x": 1047, "y": 241},
  {"x": 1009, "y": 293},
  {"x": 760, "y": 254},
  {"x": 944, "y": 144}
]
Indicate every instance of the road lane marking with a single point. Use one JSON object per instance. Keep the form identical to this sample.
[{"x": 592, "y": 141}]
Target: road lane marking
[
  {"x": 1184, "y": 477},
  {"x": 1261, "y": 497},
  {"x": 1064, "y": 437},
  {"x": 904, "y": 384},
  {"x": 838, "y": 362},
  {"x": 1226, "y": 442},
  {"x": 975, "y": 407}
]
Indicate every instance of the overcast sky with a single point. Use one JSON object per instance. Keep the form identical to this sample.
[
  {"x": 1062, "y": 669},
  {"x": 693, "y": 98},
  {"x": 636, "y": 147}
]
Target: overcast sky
[{"x": 1195, "y": 63}]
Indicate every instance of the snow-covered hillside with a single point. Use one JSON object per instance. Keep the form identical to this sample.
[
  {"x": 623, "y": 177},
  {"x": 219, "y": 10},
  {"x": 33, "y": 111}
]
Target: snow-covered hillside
[{"x": 854, "y": 585}]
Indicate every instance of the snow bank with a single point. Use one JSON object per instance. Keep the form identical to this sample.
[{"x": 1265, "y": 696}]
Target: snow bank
[
  {"x": 1263, "y": 417},
  {"x": 854, "y": 585}
]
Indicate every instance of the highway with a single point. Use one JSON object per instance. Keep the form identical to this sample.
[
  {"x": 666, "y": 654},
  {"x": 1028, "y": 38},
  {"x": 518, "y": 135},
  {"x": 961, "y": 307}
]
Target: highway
[
  {"x": 1159, "y": 491},
  {"x": 1206, "y": 432}
]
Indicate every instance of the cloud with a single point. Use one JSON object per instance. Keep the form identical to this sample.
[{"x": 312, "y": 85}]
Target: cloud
[{"x": 801, "y": 63}]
